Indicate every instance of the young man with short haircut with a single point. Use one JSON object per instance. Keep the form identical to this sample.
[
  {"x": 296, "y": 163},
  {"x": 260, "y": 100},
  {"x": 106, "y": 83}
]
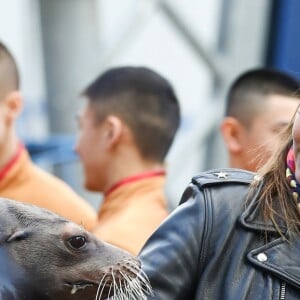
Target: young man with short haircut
[
  {"x": 260, "y": 103},
  {"x": 20, "y": 179},
  {"x": 126, "y": 129}
]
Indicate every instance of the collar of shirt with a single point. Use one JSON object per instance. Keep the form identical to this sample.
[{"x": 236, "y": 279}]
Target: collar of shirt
[
  {"x": 12, "y": 161},
  {"x": 135, "y": 178}
]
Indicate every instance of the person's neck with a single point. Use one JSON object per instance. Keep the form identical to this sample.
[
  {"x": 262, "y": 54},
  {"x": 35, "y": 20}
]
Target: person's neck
[
  {"x": 8, "y": 149},
  {"x": 241, "y": 163},
  {"x": 132, "y": 169}
]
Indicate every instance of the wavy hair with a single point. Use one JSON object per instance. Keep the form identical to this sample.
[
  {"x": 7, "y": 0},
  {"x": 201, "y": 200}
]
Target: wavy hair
[{"x": 275, "y": 198}]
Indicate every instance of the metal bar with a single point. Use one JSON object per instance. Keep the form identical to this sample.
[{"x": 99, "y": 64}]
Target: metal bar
[{"x": 182, "y": 28}]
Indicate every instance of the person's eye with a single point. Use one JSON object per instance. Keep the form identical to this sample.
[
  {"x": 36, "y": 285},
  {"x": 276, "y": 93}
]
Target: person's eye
[{"x": 77, "y": 242}]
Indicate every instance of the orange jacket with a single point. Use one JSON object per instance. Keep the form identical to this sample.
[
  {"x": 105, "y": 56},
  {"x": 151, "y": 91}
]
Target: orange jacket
[
  {"x": 130, "y": 213},
  {"x": 21, "y": 180}
]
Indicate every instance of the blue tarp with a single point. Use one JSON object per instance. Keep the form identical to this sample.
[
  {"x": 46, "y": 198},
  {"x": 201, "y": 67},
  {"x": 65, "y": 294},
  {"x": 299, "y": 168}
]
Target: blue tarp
[{"x": 57, "y": 149}]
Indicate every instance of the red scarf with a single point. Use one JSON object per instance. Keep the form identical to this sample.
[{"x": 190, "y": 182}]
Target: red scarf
[
  {"x": 135, "y": 178},
  {"x": 290, "y": 174},
  {"x": 11, "y": 162}
]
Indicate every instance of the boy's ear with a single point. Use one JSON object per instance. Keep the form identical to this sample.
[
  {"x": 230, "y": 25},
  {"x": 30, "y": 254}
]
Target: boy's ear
[
  {"x": 114, "y": 129},
  {"x": 232, "y": 132},
  {"x": 14, "y": 105}
]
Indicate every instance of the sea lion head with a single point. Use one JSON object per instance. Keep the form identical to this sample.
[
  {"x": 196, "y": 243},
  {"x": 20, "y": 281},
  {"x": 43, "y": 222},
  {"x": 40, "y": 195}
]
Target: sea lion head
[{"x": 48, "y": 257}]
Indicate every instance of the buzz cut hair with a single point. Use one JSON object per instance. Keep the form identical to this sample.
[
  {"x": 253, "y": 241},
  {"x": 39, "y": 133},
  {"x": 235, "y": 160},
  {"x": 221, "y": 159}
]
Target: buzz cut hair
[{"x": 248, "y": 94}]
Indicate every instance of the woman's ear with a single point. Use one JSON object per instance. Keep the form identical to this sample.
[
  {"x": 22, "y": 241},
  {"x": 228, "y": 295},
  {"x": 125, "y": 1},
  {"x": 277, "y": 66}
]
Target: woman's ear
[
  {"x": 113, "y": 130},
  {"x": 233, "y": 132},
  {"x": 14, "y": 105}
]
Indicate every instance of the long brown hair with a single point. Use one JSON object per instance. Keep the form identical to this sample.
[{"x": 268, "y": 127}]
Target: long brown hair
[{"x": 275, "y": 198}]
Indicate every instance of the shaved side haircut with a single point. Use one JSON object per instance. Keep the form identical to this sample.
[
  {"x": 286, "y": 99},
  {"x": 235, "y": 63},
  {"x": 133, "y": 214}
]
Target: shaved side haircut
[
  {"x": 9, "y": 75},
  {"x": 142, "y": 99},
  {"x": 248, "y": 94}
]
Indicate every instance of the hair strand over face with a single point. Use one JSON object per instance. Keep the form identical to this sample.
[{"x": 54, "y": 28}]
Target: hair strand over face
[{"x": 275, "y": 199}]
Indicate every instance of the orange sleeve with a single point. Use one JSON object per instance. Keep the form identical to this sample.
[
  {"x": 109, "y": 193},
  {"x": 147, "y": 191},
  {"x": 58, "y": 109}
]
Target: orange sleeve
[{"x": 45, "y": 190}]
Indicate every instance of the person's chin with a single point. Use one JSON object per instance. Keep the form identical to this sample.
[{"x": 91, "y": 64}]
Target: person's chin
[{"x": 90, "y": 186}]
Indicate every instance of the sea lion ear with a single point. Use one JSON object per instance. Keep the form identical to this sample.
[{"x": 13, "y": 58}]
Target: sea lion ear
[{"x": 18, "y": 236}]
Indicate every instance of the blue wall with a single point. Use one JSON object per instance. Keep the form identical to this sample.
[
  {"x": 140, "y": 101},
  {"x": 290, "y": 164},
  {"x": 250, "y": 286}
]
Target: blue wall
[{"x": 284, "y": 46}]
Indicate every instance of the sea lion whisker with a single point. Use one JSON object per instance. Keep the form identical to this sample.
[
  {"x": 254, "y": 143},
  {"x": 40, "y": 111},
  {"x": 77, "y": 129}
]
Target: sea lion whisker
[
  {"x": 102, "y": 288},
  {"x": 119, "y": 293},
  {"x": 133, "y": 287},
  {"x": 145, "y": 283},
  {"x": 99, "y": 285},
  {"x": 122, "y": 294},
  {"x": 142, "y": 288},
  {"x": 126, "y": 277},
  {"x": 146, "y": 286},
  {"x": 121, "y": 286},
  {"x": 125, "y": 288},
  {"x": 142, "y": 277},
  {"x": 110, "y": 289},
  {"x": 128, "y": 291},
  {"x": 137, "y": 289},
  {"x": 147, "y": 289},
  {"x": 138, "y": 272},
  {"x": 123, "y": 291},
  {"x": 113, "y": 283}
]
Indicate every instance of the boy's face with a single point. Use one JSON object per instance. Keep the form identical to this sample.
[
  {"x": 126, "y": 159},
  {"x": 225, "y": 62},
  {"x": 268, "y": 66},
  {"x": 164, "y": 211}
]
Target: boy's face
[
  {"x": 91, "y": 148},
  {"x": 10, "y": 107},
  {"x": 3, "y": 127},
  {"x": 261, "y": 138}
]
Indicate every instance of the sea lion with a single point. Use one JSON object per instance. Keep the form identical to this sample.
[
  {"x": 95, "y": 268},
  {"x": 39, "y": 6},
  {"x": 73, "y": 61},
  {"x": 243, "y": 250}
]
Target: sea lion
[{"x": 44, "y": 256}]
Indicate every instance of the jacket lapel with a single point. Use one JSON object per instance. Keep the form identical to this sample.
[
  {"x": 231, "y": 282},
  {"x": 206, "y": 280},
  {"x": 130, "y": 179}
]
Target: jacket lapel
[
  {"x": 252, "y": 218},
  {"x": 280, "y": 256}
]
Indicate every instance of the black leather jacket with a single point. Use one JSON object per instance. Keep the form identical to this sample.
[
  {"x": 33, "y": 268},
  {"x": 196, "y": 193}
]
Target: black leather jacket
[{"x": 214, "y": 246}]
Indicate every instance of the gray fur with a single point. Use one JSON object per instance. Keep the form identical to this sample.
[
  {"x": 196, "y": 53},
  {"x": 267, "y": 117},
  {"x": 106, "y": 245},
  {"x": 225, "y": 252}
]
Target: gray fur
[{"x": 34, "y": 243}]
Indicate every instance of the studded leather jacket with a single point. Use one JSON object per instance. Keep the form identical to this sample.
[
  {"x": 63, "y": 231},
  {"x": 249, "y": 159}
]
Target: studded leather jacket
[{"x": 215, "y": 245}]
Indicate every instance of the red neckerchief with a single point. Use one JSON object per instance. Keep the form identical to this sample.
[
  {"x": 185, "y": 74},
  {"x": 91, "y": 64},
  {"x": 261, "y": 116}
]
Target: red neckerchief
[
  {"x": 11, "y": 162},
  {"x": 290, "y": 175},
  {"x": 290, "y": 160},
  {"x": 135, "y": 178}
]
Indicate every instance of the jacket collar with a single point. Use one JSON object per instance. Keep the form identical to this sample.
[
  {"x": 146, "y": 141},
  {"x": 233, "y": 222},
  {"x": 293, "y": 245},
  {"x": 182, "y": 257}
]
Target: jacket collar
[
  {"x": 252, "y": 217},
  {"x": 282, "y": 255},
  {"x": 12, "y": 162}
]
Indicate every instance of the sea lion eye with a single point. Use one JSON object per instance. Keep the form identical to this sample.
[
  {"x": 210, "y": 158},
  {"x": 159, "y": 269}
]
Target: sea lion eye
[{"x": 77, "y": 242}]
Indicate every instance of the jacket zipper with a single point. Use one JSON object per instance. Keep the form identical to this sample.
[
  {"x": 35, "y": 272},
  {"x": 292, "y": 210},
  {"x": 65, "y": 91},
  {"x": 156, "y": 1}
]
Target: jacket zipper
[{"x": 282, "y": 291}]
